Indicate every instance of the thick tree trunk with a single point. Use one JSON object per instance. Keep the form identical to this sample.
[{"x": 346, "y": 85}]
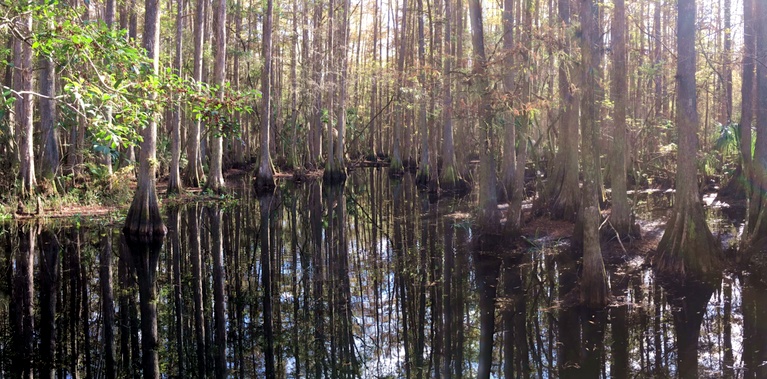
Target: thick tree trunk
[
  {"x": 315, "y": 132},
  {"x": 450, "y": 177},
  {"x": 396, "y": 167},
  {"x": 193, "y": 174},
  {"x": 516, "y": 156},
  {"x": 593, "y": 277},
  {"x": 373, "y": 153},
  {"x": 174, "y": 177},
  {"x": 144, "y": 216},
  {"x": 335, "y": 169},
  {"x": 726, "y": 67},
  {"x": 48, "y": 118},
  {"x": 265, "y": 175},
  {"x": 758, "y": 203},
  {"x": 424, "y": 168},
  {"x": 562, "y": 194},
  {"x": 747, "y": 103},
  {"x": 489, "y": 216},
  {"x": 657, "y": 60},
  {"x": 22, "y": 81},
  {"x": 620, "y": 215},
  {"x": 687, "y": 246},
  {"x": 216, "y": 175}
]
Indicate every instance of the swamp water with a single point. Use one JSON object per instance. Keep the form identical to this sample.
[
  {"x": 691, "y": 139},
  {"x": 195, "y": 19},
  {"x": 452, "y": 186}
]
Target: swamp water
[{"x": 372, "y": 280}]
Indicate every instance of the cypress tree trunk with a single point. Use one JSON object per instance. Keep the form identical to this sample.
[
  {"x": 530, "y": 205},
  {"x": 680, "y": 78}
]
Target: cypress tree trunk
[
  {"x": 265, "y": 175},
  {"x": 174, "y": 178},
  {"x": 747, "y": 102},
  {"x": 144, "y": 214},
  {"x": 489, "y": 216},
  {"x": 687, "y": 246},
  {"x": 424, "y": 169},
  {"x": 449, "y": 178},
  {"x": 22, "y": 81},
  {"x": 193, "y": 174},
  {"x": 620, "y": 217},
  {"x": 562, "y": 193},
  {"x": 396, "y": 167},
  {"x": 48, "y": 119},
  {"x": 215, "y": 175},
  {"x": 335, "y": 171},
  {"x": 593, "y": 277},
  {"x": 758, "y": 203}
]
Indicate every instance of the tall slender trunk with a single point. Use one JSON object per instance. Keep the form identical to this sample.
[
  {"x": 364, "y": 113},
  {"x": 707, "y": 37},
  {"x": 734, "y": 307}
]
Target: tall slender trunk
[
  {"x": 265, "y": 175},
  {"x": 593, "y": 279},
  {"x": 424, "y": 168},
  {"x": 687, "y": 246},
  {"x": 215, "y": 175},
  {"x": 48, "y": 118},
  {"x": 144, "y": 216},
  {"x": 193, "y": 174},
  {"x": 747, "y": 101},
  {"x": 450, "y": 177},
  {"x": 758, "y": 202},
  {"x": 620, "y": 217},
  {"x": 396, "y": 166},
  {"x": 489, "y": 217},
  {"x": 174, "y": 178},
  {"x": 22, "y": 62}
]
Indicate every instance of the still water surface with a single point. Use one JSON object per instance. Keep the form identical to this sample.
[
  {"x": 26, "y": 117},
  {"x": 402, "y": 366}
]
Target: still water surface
[{"x": 373, "y": 280}]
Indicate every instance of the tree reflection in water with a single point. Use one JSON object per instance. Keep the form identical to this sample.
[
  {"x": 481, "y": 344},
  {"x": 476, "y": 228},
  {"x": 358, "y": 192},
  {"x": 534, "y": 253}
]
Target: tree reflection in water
[{"x": 371, "y": 279}]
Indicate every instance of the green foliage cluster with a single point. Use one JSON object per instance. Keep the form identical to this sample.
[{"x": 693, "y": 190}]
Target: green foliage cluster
[{"x": 108, "y": 78}]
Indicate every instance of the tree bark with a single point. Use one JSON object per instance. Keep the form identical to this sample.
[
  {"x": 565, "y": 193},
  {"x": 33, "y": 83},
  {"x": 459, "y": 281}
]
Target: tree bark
[
  {"x": 450, "y": 178},
  {"x": 620, "y": 215},
  {"x": 593, "y": 277},
  {"x": 265, "y": 175},
  {"x": 193, "y": 174},
  {"x": 758, "y": 201},
  {"x": 174, "y": 176},
  {"x": 396, "y": 166},
  {"x": 687, "y": 246},
  {"x": 144, "y": 216},
  {"x": 424, "y": 168},
  {"x": 24, "y": 107},
  {"x": 48, "y": 118},
  {"x": 562, "y": 190},
  {"x": 747, "y": 103},
  {"x": 216, "y": 175},
  {"x": 489, "y": 216}
]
